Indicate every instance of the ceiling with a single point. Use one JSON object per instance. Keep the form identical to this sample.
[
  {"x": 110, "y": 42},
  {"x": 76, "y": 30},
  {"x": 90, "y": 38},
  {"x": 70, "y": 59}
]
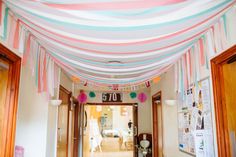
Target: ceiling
[{"x": 121, "y": 42}]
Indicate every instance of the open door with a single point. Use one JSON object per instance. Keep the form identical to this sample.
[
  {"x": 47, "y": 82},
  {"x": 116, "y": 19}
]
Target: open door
[
  {"x": 157, "y": 125},
  {"x": 10, "y": 65},
  {"x": 224, "y": 85},
  {"x": 63, "y": 123}
]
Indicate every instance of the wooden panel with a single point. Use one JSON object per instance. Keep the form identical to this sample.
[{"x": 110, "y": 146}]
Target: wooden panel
[
  {"x": 7, "y": 139},
  {"x": 219, "y": 101},
  {"x": 229, "y": 74},
  {"x": 4, "y": 72}
]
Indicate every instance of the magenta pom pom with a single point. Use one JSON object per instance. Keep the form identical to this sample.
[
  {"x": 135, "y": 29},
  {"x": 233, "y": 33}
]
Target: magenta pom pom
[
  {"x": 142, "y": 97},
  {"x": 82, "y": 98}
]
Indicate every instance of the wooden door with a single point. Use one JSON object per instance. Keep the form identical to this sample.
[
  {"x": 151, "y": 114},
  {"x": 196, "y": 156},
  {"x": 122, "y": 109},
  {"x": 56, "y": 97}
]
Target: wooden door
[
  {"x": 63, "y": 123},
  {"x": 157, "y": 125},
  {"x": 135, "y": 121},
  {"x": 224, "y": 85},
  {"x": 10, "y": 65},
  {"x": 229, "y": 75}
]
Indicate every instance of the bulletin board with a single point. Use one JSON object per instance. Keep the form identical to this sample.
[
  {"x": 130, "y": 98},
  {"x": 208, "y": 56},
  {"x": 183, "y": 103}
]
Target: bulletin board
[{"x": 195, "y": 131}]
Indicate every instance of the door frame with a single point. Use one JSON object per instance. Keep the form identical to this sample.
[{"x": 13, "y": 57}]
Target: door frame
[
  {"x": 222, "y": 133},
  {"x": 135, "y": 114},
  {"x": 9, "y": 126},
  {"x": 155, "y": 125},
  {"x": 68, "y": 103}
]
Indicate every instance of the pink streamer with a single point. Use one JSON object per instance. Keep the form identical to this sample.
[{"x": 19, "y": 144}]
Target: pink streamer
[
  {"x": 202, "y": 55},
  {"x": 1, "y": 12},
  {"x": 16, "y": 36},
  {"x": 122, "y": 5},
  {"x": 27, "y": 51}
]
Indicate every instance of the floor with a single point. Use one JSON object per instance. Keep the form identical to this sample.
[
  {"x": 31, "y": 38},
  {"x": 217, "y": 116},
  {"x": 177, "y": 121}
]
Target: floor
[
  {"x": 112, "y": 154},
  {"x": 111, "y": 147}
]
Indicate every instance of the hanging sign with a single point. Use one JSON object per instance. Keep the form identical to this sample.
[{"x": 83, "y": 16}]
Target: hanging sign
[{"x": 111, "y": 97}]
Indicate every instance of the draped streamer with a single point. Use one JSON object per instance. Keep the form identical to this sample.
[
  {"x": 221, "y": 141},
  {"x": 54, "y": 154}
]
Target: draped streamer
[{"x": 126, "y": 50}]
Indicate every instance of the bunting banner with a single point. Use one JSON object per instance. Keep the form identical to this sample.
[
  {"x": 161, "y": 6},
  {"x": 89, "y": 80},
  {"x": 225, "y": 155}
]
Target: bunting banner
[{"x": 115, "y": 44}]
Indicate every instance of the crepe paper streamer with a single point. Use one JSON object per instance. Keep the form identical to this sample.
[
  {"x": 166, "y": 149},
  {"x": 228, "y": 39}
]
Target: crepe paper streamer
[
  {"x": 202, "y": 52},
  {"x": 116, "y": 25},
  {"x": 156, "y": 79},
  {"x": 16, "y": 35},
  {"x": 92, "y": 94},
  {"x": 82, "y": 97},
  {"x": 5, "y": 24},
  {"x": 1, "y": 12},
  {"x": 140, "y": 42},
  {"x": 142, "y": 97},
  {"x": 141, "y": 4},
  {"x": 133, "y": 95}
]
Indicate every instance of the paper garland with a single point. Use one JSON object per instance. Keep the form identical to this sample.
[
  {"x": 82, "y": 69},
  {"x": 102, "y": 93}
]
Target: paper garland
[
  {"x": 133, "y": 95},
  {"x": 82, "y": 97},
  {"x": 92, "y": 94},
  {"x": 142, "y": 97}
]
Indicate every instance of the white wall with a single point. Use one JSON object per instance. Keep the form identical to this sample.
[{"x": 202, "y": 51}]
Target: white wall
[
  {"x": 31, "y": 131},
  {"x": 166, "y": 85},
  {"x": 36, "y": 119},
  {"x": 169, "y": 115}
]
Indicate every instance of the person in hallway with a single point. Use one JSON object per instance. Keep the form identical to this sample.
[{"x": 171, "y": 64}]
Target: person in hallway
[{"x": 130, "y": 124}]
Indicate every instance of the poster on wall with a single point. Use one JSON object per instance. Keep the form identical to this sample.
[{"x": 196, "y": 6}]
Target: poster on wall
[{"x": 195, "y": 122}]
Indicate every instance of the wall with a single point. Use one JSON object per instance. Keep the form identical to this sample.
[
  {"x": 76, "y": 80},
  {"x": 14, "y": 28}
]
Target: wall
[
  {"x": 166, "y": 85},
  {"x": 31, "y": 131},
  {"x": 169, "y": 115},
  {"x": 36, "y": 119}
]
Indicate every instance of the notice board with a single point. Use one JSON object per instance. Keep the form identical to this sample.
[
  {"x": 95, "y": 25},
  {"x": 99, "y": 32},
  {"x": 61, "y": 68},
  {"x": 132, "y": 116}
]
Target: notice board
[{"x": 195, "y": 131}]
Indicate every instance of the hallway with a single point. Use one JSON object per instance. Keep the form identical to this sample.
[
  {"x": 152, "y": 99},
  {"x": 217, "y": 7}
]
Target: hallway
[{"x": 117, "y": 78}]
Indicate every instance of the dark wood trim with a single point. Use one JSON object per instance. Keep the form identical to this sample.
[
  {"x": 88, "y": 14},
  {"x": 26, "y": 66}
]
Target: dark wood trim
[
  {"x": 156, "y": 96},
  {"x": 9, "y": 126},
  {"x": 219, "y": 101}
]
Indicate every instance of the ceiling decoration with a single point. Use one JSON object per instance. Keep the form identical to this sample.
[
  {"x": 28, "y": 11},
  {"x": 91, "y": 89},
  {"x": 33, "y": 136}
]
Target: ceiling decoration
[{"x": 110, "y": 43}]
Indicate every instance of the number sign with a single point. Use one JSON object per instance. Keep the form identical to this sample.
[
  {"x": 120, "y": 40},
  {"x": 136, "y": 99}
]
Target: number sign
[{"x": 111, "y": 97}]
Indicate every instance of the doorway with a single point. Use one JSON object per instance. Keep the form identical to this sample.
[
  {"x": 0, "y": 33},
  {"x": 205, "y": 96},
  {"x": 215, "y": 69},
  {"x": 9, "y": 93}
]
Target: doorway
[
  {"x": 64, "y": 127},
  {"x": 224, "y": 85},
  {"x": 109, "y": 130},
  {"x": 10, "y": 65},
  {"x": 157, "y": 125}
]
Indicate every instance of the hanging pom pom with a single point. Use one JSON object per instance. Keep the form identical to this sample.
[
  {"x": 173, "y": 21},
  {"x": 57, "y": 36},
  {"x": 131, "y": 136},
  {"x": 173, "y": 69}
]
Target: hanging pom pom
[
  {"x": 92, "y": 95},
  {"x": 142, "y": 97},
  {"x": 133, "y": 95},
  {"x": 82, "y": 97}
]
